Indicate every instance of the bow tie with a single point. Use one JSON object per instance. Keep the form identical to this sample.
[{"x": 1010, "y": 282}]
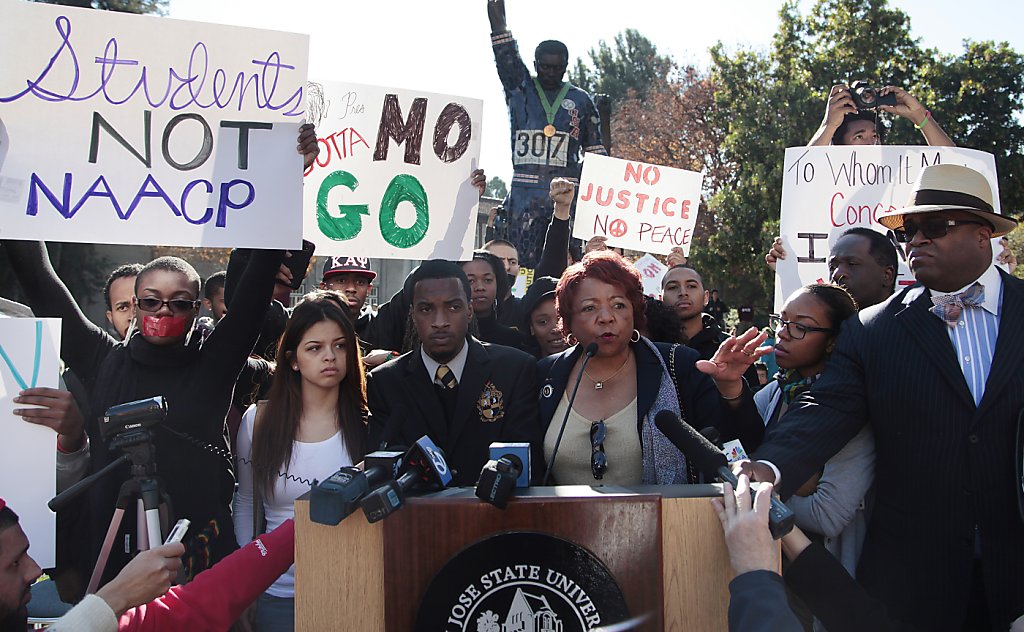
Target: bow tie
[{"x": 949, "y": 307}]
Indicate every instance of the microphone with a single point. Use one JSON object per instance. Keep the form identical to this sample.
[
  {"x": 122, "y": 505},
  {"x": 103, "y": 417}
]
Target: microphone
[
  {"x": 711, "y": 434},
  {"x": 712, "y": 462},
  {"x": 589, "y": 352},
  {"x": 498, "y": 479},
  {"x": 337, "y": 496},
  {"x": 425, "y": 467}
]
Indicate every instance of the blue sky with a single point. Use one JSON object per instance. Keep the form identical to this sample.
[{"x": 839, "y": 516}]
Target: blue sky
[{"x": 445, "y": 46}]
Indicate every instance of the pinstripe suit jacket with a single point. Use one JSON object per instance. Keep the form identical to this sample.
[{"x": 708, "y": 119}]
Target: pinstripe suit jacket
[{"x": 944, "y": 466}]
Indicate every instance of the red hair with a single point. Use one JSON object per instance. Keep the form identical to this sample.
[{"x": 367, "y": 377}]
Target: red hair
[{"x": 608, "y": 267}]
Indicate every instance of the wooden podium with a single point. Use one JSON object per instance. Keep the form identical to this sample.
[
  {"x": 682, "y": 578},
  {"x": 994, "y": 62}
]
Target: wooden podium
[{"x": 662, "y": 544}]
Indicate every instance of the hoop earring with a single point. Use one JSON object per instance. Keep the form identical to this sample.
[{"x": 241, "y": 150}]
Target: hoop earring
[
  {"x": 571, "y": 339},
  {"x": 635, "y": 337}
]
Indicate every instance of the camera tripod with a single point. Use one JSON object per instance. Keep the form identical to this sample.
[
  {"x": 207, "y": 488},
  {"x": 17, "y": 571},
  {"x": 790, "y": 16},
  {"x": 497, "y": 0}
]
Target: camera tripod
[{"x": 143, "y": 486}]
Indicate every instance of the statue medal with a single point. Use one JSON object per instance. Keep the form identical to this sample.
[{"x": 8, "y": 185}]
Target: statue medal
[{"x": 550, "y": 108}]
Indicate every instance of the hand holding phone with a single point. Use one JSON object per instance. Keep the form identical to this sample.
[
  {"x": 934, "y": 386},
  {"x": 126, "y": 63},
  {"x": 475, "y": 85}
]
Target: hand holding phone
[{"x": 178, "y": 532}]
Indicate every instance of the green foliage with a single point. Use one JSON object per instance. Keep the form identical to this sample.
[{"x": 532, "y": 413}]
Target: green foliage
[
  {"x": 157, "y": 7},
  {"x": 496, "y": 188},
  {"x": 633, "y": 64}
]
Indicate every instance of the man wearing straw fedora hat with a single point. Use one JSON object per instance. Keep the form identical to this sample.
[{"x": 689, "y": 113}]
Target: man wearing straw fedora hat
[{"x": 938, "y": 372}]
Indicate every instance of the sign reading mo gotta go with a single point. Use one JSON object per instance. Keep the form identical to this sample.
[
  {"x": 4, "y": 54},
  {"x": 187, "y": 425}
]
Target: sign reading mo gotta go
[{"x": 393, "y": 176}]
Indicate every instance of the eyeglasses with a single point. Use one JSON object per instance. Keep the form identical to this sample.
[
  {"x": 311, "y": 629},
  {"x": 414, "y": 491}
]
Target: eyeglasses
[
  {"x": 796, "y": 331},
  {"x": 177, "y": 305},
  {"x": 931, "y": 228},
  {"x": 598, "y": 459}
]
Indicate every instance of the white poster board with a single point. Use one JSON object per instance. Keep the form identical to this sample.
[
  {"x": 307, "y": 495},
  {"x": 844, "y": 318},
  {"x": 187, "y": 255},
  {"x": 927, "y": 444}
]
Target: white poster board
[
  {"x": 392, "y": 180},
  {"x": 127, "y": 129},
  {"x": 829, "y": 190},
  {"x": 29, "y": 357},
  {"x": 651, "y": 272},
  {"x": 637, "y": 206}
]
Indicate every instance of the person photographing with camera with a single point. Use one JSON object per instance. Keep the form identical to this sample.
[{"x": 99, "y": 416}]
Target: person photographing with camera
[{"x": 851, "y": 116}]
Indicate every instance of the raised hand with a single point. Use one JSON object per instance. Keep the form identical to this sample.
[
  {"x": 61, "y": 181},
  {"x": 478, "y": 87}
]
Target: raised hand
[
  {"x": 775, "y": 253},
  {"x": 307, "y": 145},
  {"x": 561, "y": 192},
  {"x": 733, "y": 358}
]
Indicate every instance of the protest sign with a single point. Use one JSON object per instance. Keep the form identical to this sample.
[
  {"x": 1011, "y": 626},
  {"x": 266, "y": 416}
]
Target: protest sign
[
  {"x": 829, "y": 190},
  {"x": 127, "y": 129},
  {"x": 392, "y": 179},
  {"x": 522, "y": 283},
  {"x": 29, "y": 350},
  {"x": 652, "y": 272},
  {"x": 641, "y": 207}
]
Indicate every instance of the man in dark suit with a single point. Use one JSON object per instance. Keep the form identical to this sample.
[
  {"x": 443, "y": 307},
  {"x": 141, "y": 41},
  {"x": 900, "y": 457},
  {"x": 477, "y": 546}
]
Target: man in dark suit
[
  {"x": 938, "y": 372},
  {"x": 462, "y": 393}
]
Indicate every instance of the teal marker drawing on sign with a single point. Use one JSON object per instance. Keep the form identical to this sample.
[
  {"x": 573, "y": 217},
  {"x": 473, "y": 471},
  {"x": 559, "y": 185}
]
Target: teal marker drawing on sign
[{"x": 35, "y": 361}]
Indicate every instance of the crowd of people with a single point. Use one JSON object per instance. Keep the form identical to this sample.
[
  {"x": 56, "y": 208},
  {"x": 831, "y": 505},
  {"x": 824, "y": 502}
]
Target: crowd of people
[{"x": 889, "y": 428}]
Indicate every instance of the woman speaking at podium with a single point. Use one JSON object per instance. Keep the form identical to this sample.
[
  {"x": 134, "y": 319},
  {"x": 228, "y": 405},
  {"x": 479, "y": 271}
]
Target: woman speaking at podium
[{"x": 610, "y": 437}]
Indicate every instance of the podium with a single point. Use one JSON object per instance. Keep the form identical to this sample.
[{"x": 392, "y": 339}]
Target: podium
[{"x": 662, "y": 546}]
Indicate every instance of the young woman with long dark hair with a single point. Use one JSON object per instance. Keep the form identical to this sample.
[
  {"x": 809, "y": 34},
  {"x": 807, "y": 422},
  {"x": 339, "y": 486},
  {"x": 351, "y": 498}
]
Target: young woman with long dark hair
[{"x": 312, "y": 423}]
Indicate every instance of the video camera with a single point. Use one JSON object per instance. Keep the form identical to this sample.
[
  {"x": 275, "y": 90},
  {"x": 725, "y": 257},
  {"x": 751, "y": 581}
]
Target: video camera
[
  {"x": 867, "y": 98},
  {"x": 123, "y": 421}
]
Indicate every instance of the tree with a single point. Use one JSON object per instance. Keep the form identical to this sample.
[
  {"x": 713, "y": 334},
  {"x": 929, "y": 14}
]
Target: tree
[
  {"x": 158, "y": 7},
  {"x": 979, "y": 94},
  {"x": 496, "y": 188},
  {"x": 675, "y": 126},
  {"x": 632, "y": 65}
]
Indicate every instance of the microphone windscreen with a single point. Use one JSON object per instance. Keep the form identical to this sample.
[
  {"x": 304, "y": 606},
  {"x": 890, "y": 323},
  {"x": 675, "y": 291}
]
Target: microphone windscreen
[
  {"x": 711, "y": 434},
  {"x": 591, "y": 350},
  {"x": 701, "y": 452}
]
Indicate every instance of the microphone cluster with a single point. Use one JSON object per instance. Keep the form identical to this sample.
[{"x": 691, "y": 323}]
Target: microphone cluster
[{"x": 381, "y": 487}]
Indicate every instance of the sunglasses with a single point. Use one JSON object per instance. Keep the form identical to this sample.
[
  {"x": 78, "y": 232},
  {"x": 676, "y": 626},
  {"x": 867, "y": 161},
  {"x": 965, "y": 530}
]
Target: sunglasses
[
  {"x": 177, "y": 305},
  {"x": 931, "y": 228},
  {"x": 598, "y": 459},
  {"x": 796, "y": 331}
]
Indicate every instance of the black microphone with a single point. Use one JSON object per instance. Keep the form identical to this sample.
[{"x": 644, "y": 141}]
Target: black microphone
[
  {"x": 589, "y": 352},
  {"x": 334, "y": 498},
  {"x": 424, "y": 466},
  {"x": 712, "y": 462},
  {"x": 711, "y": 434},
  {"x": 498, "y": 479}
]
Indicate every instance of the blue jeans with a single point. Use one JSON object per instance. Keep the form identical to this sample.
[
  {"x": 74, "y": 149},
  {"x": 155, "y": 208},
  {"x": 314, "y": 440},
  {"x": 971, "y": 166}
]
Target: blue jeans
[{"x": 275, "y": 614}]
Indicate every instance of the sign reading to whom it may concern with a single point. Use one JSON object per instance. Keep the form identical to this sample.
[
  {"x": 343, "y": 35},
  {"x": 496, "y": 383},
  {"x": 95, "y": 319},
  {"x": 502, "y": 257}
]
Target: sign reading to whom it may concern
[
  {"x": 393, "y": 178},
  {"x": 636, "y": 205},
  {"x": 28, "y": 460},
  {"x": 127, "y": 129},
  {"x": 522, "y": 581},
  {"x": 829, "y": 190}
]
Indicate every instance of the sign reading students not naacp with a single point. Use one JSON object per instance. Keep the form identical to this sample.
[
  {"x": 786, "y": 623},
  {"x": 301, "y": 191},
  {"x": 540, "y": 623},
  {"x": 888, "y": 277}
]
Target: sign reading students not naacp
[
  {"x": 826, "y": 191},
  {"x": 128, "y": 129},
  {"x": 636, "y": 205},
  {"x": 393, "y": 176}
]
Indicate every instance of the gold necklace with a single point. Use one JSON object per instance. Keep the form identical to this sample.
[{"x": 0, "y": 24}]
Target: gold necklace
[{"x": 598, "y": 385}]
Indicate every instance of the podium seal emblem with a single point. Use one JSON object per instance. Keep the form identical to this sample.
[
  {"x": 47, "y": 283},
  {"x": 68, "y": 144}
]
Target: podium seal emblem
[{"x": 522, "y": 581}]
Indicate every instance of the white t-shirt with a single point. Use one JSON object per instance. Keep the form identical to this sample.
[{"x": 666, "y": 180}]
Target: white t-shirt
[{"x": 309, "y": 460}]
